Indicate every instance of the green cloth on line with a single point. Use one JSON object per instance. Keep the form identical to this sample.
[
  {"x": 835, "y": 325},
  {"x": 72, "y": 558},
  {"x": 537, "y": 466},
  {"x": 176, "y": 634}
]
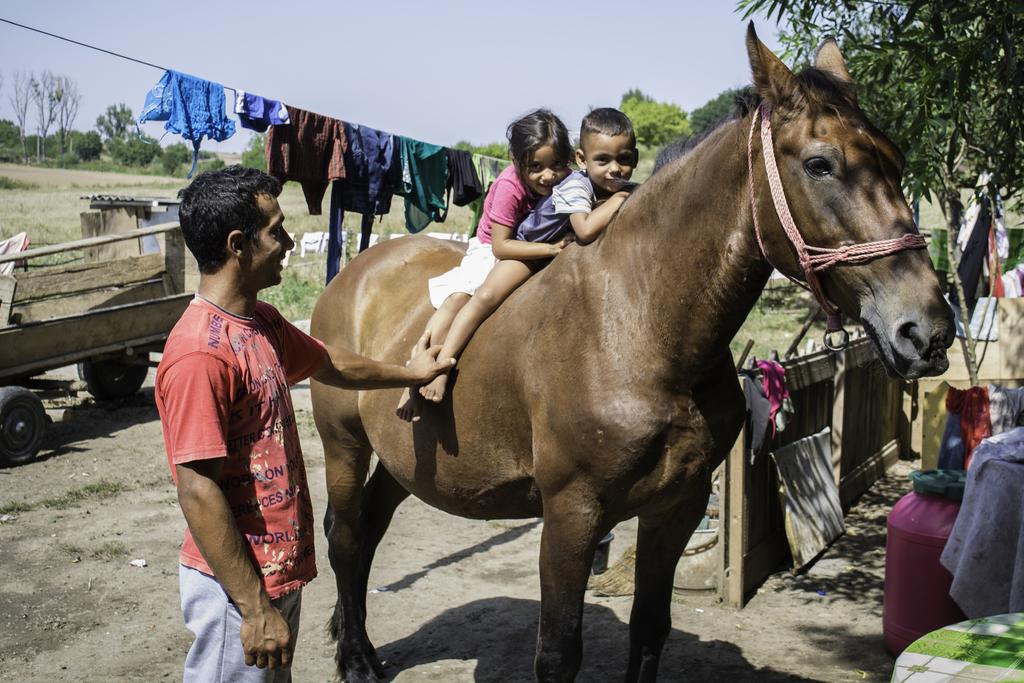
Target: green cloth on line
[
  {"x": 424, "y": 169},
  {"x": 488, "y": 169}
]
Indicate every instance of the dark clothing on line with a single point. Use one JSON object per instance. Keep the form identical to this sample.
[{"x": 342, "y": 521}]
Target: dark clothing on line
[
  {"x": 463, "y": 179},
  {"x": 259, "y": 113},
  {"x": 423, "y": 183},
  {"x": 310, "y": 150},
  {"x": 367, "y": 188},
  {"x": 758, "y": 413}
]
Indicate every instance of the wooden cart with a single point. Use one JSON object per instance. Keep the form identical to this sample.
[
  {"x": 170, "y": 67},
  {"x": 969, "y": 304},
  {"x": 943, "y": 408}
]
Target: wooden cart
[{"x": 105, "y": 314}]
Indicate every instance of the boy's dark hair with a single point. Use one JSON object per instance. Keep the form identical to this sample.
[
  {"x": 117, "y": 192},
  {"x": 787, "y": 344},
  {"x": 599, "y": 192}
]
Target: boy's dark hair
[
  {"x": 218, "y": 202},
  {"x": 606, "y": 121},
  {"x": 534, "y": 130}
]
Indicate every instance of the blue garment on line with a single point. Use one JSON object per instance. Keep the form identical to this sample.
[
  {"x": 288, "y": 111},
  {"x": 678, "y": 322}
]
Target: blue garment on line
[
  {"x": 367, "y": 187},
  {"x": 259, "y": 113},
  {"x": 191, "y": 107},
  {"x": 951, "y": 449}
]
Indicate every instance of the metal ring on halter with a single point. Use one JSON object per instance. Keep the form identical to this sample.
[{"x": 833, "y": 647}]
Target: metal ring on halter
[{"x": 845, "y": 337}]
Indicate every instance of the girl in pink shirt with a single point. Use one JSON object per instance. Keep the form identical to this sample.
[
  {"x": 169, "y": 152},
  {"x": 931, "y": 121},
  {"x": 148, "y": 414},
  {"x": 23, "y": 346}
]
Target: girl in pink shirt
[{"x": 496, "y": 263}]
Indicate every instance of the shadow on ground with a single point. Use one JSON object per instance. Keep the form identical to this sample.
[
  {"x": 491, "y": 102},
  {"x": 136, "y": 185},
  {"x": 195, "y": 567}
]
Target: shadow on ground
[
  {"x": 511, "y": 628},
  {"x": 96, "y": 421}
]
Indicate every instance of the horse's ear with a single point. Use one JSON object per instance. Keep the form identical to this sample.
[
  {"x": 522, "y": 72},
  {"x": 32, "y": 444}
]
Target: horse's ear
[
  {"x": 773, "y": 79},
  {"x": 830, "y": 59}
]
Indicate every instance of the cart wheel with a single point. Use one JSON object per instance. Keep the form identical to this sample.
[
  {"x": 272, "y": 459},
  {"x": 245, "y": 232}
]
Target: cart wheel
[
  {"x": 22, "y": 423},
  {"x": 112, "y": 379}
]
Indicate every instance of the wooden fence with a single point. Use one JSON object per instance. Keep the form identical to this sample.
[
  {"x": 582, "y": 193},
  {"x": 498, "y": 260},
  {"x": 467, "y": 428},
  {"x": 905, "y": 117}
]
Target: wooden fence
[{"x": 849, "y": 392}]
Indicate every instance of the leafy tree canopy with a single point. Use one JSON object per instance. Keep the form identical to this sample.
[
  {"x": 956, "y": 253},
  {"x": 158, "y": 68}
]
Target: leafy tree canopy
[
  {"x": 654, "y": 123},
  {"x": 255, "y": 154},
  {"x": 116, "y": 122},
  {"x": 942, "y": 78},
  {"x": 498, "y": 150},
  {"x": 714, "y": 110}
]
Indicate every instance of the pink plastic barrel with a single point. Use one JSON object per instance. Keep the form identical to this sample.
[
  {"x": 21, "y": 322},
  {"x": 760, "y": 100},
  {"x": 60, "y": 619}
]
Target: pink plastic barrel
[{"x": 916, "y": 585}]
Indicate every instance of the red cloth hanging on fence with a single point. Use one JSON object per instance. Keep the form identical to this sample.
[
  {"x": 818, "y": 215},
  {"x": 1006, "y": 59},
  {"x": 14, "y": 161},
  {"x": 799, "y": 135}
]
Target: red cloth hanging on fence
[{"x": 975, "y": 420}]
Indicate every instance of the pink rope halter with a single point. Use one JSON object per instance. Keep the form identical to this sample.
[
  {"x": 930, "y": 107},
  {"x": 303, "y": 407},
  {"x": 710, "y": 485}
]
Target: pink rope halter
[{"x": 812, "y": 259}]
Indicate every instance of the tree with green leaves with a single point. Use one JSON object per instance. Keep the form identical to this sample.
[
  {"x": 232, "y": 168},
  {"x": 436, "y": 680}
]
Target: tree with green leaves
[
  {"x": 134, "y": 150},
  {"x": 255, "y": 154},
  {"x": 498, "y": 150},
  {"x": 173, "y": 157},
  {"x": 941, "y": 78},
  {"x": 714, "y": 110},
  {"x": 116, "y": 122},
  {"x": 87, "y": 146},
  {"x": 654, "y": 123}
]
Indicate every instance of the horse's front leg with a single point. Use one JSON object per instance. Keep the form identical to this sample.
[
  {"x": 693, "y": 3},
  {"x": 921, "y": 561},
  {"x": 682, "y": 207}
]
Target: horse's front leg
[
  {"x": 346, "y": 465},
  {"x": 661, "y": 540},
  {"x": 572, "y": 527}
]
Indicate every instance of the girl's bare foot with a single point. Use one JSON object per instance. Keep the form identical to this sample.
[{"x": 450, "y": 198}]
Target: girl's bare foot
[{"x": 435, "y": 390}]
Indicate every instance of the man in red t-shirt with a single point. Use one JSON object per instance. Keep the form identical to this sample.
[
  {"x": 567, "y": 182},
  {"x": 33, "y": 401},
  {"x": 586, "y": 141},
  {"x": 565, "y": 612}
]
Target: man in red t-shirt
[{"x": 229, "y": 429}]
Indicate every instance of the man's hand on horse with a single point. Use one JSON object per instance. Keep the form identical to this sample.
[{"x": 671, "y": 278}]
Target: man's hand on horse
[{"x": 425, "y": 365}]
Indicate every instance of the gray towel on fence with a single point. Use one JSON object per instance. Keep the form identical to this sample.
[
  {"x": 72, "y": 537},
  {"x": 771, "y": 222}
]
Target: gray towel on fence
[
  {"x": 985, "y": 551},
  {"x": 1006, "y": 408}
]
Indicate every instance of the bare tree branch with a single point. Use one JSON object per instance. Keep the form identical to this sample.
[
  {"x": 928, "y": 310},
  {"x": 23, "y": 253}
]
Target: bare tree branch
[
  {"x": 20, "y": 101},
  {"x": 68, "y": 99},
  {"x": 44, "y": 97}
]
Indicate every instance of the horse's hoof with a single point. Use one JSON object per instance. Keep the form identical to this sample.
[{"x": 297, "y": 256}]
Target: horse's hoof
[{"x": 362, "y": 668}]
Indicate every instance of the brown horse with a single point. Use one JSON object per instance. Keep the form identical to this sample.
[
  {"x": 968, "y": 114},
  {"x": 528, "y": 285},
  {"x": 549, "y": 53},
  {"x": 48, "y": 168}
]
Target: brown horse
[{"x": 604, "y": 388}]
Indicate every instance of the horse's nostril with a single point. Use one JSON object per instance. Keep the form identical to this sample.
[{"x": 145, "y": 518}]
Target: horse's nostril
[{"x": 911, "y": 332}]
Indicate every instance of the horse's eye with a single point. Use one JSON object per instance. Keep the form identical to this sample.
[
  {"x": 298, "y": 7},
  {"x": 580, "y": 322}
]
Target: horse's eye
[{"x": 818, "y": 167}]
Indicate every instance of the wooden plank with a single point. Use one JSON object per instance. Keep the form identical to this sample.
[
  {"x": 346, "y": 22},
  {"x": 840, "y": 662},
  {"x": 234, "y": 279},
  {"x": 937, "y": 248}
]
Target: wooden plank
[
  {"x": 62, "y": 306},
  {"x": 1011, "y": 338},
  {"x": 116, "y": 220},
  {"x": 53, "y": 343},
  {"x": 92, "y": 225},
  {"x": 8, "y": 290},
  {"x": 867, "y": 473},
  {"x": 807, "y": 370},
  {"x": 82, "y": 277},
  {"x": 88, "y": 242},
  {"x": 175, "y": 255},
  {"x": 860, "y": 352},
  {"x": 838, "y": 406},
  {"x": 809, "y": 496},
  {"x": 762, "y": 560},
  {"x": 733, "y": 500}
]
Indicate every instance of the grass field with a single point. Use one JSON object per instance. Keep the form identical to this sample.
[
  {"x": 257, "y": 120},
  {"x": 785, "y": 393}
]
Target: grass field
[{"x": 46, "y": 203}]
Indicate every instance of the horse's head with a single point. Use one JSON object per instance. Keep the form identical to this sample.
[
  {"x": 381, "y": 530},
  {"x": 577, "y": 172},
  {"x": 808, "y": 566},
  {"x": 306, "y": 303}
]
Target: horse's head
[{"x": 842, "y": 179}]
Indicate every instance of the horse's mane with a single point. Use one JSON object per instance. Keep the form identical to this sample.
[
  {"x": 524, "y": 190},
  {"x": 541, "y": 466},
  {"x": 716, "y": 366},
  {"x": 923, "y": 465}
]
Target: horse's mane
[{"x": 817, "y": 87}]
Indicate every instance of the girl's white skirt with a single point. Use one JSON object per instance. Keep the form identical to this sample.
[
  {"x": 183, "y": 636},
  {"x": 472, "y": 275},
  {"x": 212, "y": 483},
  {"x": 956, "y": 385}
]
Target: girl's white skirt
[{"x": 466, "y": 277}]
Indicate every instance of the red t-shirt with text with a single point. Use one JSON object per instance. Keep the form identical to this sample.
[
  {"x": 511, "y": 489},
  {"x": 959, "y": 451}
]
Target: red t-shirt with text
[{"x": 222, "y": 392}]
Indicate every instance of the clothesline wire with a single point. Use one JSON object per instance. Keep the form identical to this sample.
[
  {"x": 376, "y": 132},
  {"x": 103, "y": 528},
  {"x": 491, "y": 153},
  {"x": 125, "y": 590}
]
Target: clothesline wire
[{"x": 118, "y": 54}]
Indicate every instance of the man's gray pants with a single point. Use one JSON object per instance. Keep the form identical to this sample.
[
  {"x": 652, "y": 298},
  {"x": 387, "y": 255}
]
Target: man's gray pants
[{"x": 216, "y": 655}]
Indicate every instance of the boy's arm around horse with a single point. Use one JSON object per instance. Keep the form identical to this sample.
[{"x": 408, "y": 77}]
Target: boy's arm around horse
[
  {"x": 588, "y": 226},
  {"x": 506, "y": 246}
]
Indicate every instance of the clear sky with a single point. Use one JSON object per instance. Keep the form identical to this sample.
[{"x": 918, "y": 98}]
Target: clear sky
[{"x": 435, "y": 71}]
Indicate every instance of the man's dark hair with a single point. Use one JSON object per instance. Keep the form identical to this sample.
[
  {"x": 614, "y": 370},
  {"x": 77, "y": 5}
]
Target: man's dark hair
[
  {"x": 606, "y": 121},
  {"x": 531, "y": 132},
  {"x": 218, "y": 202}
]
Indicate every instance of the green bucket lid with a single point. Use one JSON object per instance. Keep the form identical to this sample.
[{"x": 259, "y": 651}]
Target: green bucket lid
[{"x": 944, "y": 483}]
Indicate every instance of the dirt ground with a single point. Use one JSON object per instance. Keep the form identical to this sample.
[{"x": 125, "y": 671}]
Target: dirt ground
[{"x": 455, "y": 600}]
